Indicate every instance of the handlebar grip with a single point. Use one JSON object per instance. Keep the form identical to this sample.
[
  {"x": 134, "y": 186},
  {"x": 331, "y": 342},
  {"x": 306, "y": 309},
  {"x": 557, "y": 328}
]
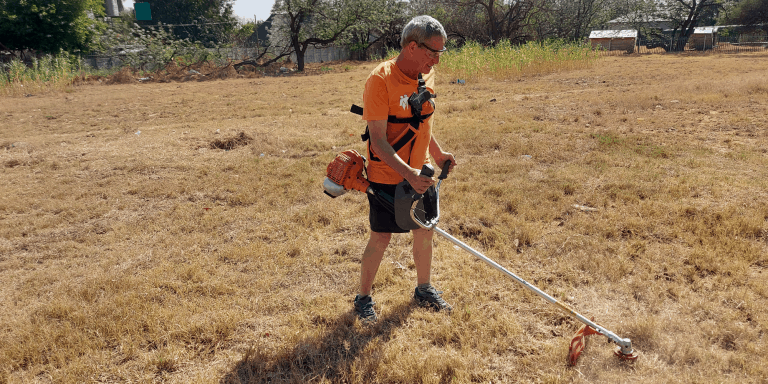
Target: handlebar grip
[
  {"x": 427, "y": 170},
  {"x": 445, "y": 168}
]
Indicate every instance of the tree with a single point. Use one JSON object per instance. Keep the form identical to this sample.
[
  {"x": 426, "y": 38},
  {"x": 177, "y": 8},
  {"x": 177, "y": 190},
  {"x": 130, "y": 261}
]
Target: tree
[
  {"x": 490, "y": 21},
  {"x": 385, "y": 24},
  {"x": 207, "y": 21},
  {"x": 574, "y": 18},
  {"x": 301, "y": 24},
  {"x": 50, "y": 26},
  {"x": 747, "y": 12},
  {"x": 462, "y": 22},
  {"x": 686, "y": 14},
  {"x": 266, "y": 50}
]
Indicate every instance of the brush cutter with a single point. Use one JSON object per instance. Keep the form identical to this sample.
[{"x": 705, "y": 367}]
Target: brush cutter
[{"x": 413, "y": 210}]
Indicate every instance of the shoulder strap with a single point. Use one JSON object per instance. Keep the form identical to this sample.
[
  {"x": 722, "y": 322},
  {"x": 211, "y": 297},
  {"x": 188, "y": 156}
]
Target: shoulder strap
[{"x": 414, "y": 121}]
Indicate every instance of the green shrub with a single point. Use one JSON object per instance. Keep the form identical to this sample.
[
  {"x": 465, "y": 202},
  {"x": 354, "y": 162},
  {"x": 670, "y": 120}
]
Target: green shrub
[{"x": 46, "y": 72}]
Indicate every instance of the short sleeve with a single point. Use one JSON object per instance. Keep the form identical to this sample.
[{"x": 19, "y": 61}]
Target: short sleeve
[{"x": 375, "y": 98}]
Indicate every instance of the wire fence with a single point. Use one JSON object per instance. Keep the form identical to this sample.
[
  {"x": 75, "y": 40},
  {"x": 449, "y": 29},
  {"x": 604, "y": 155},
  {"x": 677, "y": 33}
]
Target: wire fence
[
  {"x": 705, "y": 43},
  {"x": 312, "y": 55},
  {"x": 711, "y": 43},
  {"x": 321, "y": 55}
]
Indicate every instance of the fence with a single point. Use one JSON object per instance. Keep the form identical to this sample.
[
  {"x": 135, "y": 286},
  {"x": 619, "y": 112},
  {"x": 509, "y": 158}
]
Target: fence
[
  {"x": 320, "y": 55},
  {"x": 102, "y": 62},
  {"x": 705, "y": 43},
  {"x": 312, "y": 55}
]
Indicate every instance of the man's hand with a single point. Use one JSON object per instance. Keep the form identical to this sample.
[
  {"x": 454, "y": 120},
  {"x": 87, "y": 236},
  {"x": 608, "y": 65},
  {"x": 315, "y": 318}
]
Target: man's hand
[
  {"x": 442, "y": 157},
  {"x": 419, "y": 183}
]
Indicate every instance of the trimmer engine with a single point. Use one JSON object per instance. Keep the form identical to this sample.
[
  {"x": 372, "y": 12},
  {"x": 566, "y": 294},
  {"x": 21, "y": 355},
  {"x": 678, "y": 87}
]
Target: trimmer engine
[{"x": 345, "y": 172}]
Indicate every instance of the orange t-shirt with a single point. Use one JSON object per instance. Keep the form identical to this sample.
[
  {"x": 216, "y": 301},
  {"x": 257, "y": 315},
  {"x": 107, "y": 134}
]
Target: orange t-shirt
[{"x": 386, "y": 93}]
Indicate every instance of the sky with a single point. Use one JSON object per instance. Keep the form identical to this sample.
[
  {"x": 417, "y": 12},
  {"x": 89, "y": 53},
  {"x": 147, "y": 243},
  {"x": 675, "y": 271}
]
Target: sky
[{"x": 244, "y": 9}]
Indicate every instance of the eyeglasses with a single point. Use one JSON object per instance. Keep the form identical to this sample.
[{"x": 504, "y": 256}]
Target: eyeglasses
[{"x": 435, "y": 53}]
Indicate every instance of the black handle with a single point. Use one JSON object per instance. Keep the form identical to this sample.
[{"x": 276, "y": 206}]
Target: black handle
[
  {"x": 444, "y": 174},
  {"x": 427, "y": 170}
]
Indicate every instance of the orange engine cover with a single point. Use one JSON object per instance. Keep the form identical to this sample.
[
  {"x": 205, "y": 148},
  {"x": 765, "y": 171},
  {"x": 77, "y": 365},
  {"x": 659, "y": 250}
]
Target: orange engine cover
[{"x": 347, "y": 170}]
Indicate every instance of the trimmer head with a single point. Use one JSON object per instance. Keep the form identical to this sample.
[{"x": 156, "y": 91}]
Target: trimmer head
[
  {"x": 579, "y": 341},
  {"x": 632, "y": 356}
]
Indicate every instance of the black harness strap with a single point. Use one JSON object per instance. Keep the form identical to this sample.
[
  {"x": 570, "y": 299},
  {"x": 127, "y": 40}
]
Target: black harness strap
[
  {"x": 414, "y": 121},
  {"x": 421, "y": 96}
]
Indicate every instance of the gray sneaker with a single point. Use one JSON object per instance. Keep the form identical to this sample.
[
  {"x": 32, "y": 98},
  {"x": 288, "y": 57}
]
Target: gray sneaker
[
  {"x": 429, "y": 297},
  {"x": 364, "y": 309}
]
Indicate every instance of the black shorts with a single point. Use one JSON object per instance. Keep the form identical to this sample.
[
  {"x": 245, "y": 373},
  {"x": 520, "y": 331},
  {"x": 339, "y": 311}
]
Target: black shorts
[{"x": 381, "y": 217}]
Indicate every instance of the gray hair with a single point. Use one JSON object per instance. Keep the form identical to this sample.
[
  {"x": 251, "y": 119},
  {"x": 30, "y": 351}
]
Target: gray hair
[{"x": 421, "y": 29}]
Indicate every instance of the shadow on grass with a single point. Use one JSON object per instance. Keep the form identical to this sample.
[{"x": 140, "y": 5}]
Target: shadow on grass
[{"x": 343, "y": 352}]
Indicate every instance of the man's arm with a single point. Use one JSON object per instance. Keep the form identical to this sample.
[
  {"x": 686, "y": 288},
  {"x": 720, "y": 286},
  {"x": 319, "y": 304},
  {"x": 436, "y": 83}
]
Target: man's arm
[
  {"x": 440, "y": 156},
  {"x": 377, "y": 129}
]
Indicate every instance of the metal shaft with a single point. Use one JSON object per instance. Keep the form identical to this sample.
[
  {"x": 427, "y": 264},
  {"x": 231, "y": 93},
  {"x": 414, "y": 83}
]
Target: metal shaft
[{"x": 624, "y": 344}]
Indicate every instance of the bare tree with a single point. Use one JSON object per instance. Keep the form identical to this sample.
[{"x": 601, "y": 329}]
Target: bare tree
[
  {"x": 301, "y": 24},
  {"x": 583, "y": 14},
  {"x": 266, "y": 54},
  {"x": 497, "y": 19}
]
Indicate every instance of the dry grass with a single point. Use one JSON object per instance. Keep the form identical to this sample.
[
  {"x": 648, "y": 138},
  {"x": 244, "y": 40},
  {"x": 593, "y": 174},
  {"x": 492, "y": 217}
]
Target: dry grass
[
  {"x": 132, "y": 249},
  {"x": 504, "y": 61}
]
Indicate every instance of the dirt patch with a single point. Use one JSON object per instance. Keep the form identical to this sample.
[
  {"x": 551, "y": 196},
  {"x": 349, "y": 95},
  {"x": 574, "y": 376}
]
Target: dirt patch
[
  {"x": 240, "y": 140},
  {"x": 174, "y": 72}
]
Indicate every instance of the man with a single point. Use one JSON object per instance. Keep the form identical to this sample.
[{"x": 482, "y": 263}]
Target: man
[{"x": 386, "y": 99}]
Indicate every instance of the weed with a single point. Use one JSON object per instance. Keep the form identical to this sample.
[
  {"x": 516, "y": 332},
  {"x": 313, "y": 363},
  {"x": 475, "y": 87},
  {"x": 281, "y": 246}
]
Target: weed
[
  {"x": 50, "y": 72},
  {"x": 504, "y": 60},
  {"x": 607, "y": 139}
]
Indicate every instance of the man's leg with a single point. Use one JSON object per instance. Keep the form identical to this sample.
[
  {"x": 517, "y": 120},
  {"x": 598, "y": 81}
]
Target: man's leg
[
  {"x": 426, "y": 294},
  {"x": 422, "y": 254},
  {"x": 372, "y": 256}
]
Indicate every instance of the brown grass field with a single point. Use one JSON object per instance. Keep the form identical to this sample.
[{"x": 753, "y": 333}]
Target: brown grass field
[{"x": 177, "y": 232}]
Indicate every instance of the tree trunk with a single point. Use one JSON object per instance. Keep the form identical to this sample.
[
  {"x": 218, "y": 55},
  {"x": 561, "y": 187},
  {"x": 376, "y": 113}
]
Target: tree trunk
[
  {"x": 299, "y": 50},
  {"x": 300, "y": 60}
]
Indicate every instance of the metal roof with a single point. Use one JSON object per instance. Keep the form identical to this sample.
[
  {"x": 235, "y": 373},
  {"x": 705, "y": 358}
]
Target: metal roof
[
  {"x": 613, "y": 34},
  {"x": 705, "y": 30}
]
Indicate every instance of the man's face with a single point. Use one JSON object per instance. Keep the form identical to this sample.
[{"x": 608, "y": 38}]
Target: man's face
[{"x": 428, "y": 53}]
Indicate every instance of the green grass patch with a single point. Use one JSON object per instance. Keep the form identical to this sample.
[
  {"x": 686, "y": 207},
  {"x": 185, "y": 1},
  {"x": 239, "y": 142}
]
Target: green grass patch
[
  {"x": 607, "y": 139},
  {"x": 45, "y": 73}
]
